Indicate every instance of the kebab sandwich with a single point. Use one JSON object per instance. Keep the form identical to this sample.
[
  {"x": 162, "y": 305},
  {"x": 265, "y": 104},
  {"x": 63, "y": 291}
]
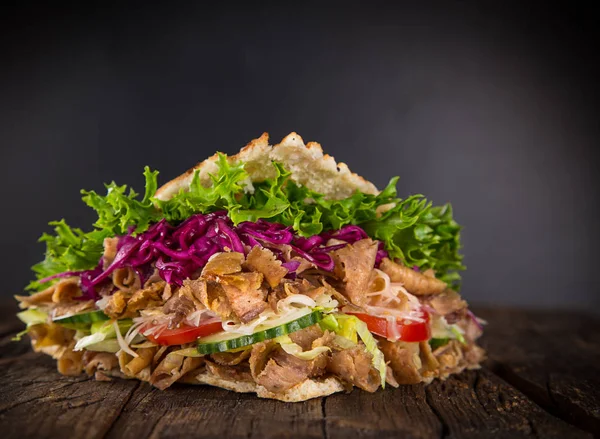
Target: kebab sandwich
[{"x": 275, "y": 271}]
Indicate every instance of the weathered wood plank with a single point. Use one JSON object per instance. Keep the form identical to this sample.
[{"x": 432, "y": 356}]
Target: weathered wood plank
[
  {"x": 552, "y": 357},
  {"x": 35, "y": 401},
  {"x": 10, "y": 349},
  {"x": 402, "y": 412},
  {"x": 209, "y": 412},
  {"x": 477, "y": 403}
]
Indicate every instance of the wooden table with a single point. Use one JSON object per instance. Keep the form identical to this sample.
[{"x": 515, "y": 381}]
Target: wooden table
[{"x": 541, "y": 380}]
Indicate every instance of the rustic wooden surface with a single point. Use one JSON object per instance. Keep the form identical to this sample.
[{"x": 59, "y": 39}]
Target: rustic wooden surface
[{"x": 541, "y": 380}]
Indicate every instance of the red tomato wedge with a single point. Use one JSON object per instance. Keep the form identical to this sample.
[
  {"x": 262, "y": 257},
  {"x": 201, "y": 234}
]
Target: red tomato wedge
[
  {"x": 184, "y": 334},
  {"x": 408, "y": 331}
]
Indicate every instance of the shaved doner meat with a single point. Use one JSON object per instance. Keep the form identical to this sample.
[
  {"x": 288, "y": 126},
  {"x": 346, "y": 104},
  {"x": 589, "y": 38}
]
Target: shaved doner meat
[
  {"x": 354, "y": 264},
  {"x": 415, "y": 282}
]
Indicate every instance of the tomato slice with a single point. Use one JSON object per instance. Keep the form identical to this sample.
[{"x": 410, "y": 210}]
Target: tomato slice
[
  {"x": 184, "y": 334},
  {"x": 408, "y": 331}
]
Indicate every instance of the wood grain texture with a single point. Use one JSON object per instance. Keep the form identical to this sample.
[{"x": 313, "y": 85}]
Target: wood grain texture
[
  {"x": 37, "y": 402},
  {"x": 402, "y": 412},
  {"x": 553, "y": 357}
]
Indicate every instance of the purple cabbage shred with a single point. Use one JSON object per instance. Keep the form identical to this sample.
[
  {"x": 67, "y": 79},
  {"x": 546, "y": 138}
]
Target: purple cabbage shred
[{"x": 179, "y": 252}]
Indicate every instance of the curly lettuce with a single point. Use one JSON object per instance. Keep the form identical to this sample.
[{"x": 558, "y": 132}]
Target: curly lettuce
[{"x": 412, "y": 229}]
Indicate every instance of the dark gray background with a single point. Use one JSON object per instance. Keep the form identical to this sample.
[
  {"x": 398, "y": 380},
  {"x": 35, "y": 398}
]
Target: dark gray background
[{"x": 493, "y": 108}]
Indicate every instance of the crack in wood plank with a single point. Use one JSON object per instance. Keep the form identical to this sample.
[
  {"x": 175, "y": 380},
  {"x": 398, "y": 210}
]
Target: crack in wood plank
[
  {"x": 148, "y": 393},
  {"x": 122, "y": 409},
  {"x": 445, "y": 430},
  {"x": 81, "y": 404},
  {"x": 324, "y": 420},
  {"x": 477, "y": 396},
  {"x": 251, "y": 429},
  {"x": 8, "y": 408},
  {"x": 401, "y": 412},
  {"x": 154, "y": 427}
]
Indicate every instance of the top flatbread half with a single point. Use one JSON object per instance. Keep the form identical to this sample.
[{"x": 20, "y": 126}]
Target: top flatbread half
[{"x": 307, "y": 163}]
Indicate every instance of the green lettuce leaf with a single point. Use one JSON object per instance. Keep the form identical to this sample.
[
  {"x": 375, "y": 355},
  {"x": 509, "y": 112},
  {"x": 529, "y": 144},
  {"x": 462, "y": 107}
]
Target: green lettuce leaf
[
  {"x": 120, "y": 209},
  {"x": 71, "y": 249},
  {"x": 226, "y": 186},
  {"x": 413, "y": 230},
  {"x": 268, "y": 200},
  {"x": 421, "y": 235}
]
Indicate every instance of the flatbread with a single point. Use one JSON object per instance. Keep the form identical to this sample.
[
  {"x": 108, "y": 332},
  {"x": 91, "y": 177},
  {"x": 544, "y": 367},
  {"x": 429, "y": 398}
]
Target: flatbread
[
  {"x": 307, "y": 163},
  {"x": 307, "y": 389}
]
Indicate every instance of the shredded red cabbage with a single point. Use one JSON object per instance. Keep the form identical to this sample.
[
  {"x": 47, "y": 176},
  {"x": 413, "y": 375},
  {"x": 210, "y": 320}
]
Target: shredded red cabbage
[
  {"x": 291, "y": 266},
  {"x": 381, "y": 253},
  {"x": 179, "y": 252}
]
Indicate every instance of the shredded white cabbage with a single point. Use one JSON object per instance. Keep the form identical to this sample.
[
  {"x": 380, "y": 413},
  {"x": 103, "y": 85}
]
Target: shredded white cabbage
[
  {"x": 327, "y": 302},
  {"x": 122, "y": 344},
  {"x": 102, "y": 303},
  {"x": 392, "y": 329},
  {"x": 195, "y": 318},
  {"x": 284, "y": 305},
  {"x": 132, "y": 332},
  {"x": 103, "y": 338},
  {"x": 154, "y": 321},
  {"x": 156, "y": 330},
  {"x": 271, "y": 320},
  {"x": 290, "y": 308},
  {"x": 247, "y": 328},
  {"x": 89, "y": 340},
  {"x": 296, "y": 350}
]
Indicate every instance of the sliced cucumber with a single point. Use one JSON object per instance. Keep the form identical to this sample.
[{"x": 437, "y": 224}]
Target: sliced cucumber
[
  {"x": 438, "y": 342},
  {"x": 225, "y": 341},
  {"x": 83, "y": 319}
]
